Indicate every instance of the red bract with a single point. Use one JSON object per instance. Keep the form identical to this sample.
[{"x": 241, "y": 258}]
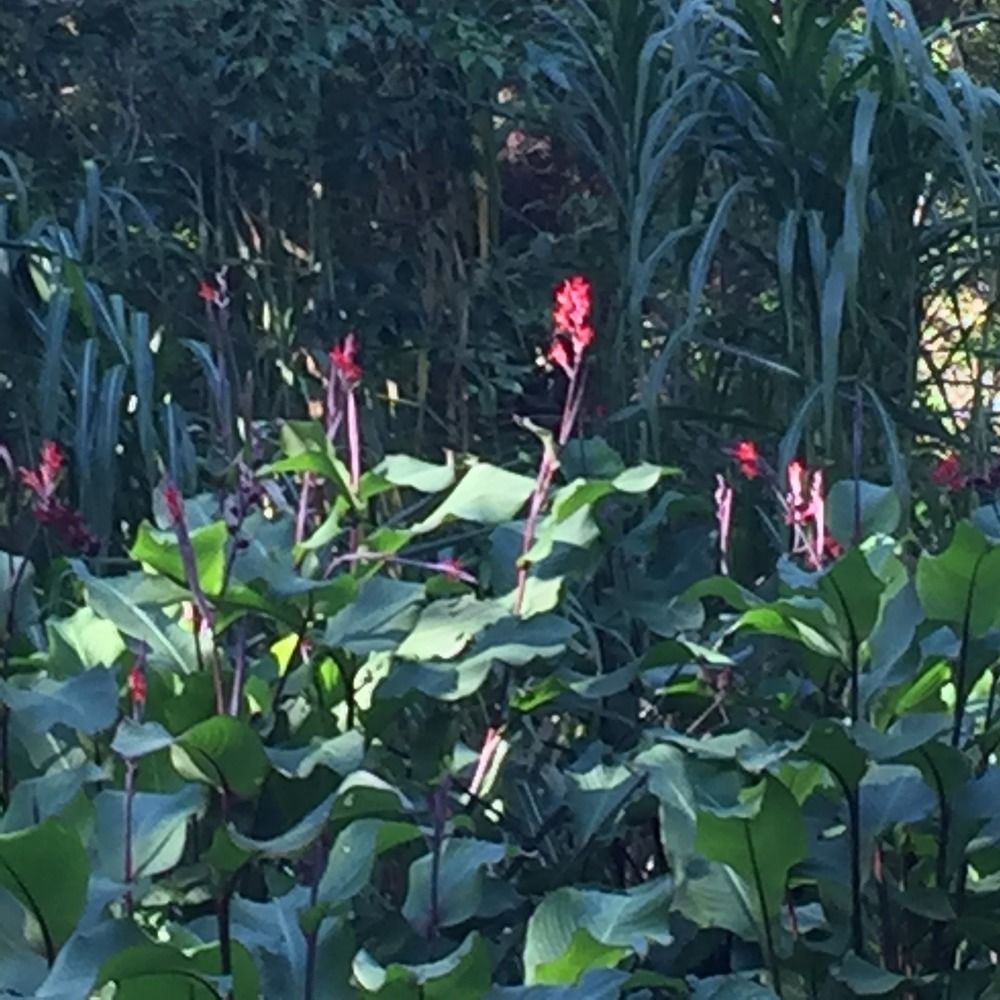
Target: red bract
[
  {"x": 67, "y": 523},
  {"x": 948, "y": 473},
  {"x": 571, "y": 314},
  {"x": 747, "y": 455},
  {"x": 137, "y": 686},
  {"x": 207, "y": 292},
  {"x": 799, "y": 508},
  {"x": 174, "y": 503},
  {"x": 344, "y": 360},
  {"x": 42, "y": 481}
]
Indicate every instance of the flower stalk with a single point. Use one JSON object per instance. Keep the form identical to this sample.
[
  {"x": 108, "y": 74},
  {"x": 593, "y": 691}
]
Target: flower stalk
[{"x": 572, "y": 336}]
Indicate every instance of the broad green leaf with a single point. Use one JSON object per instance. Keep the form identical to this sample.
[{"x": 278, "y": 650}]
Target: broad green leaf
[
  {"x": 627, "y": 920},
  {"x": 513, "y": 641},
  {"x": 139, "y": 739},
  {"x": 80, "y": 959},
  {"x": 341, "y": 754},
  {"x": 87, "y": 702},
  {"x": 670, "y": 782},
  {"x": 893, "y": 794},
  {"x": 959, "y": 585},
  {"x": 761, "y": 848},
  {"x": 222, "y": 752},
  {"x": 166, "y": 641},
  {"x": 425, "y": 477},
  {"x": 381, "y": 615},
  {"x": 732, "y": 987},
  {"x": 597, "y": 795},
  {"x": 446, "y": 627},
  {"x": 81, "y": 641},
  {"x": 162, "y": 972},
  {"x": 864, "y": 979},
  {"x": 876, "y": 508},
  {"x": 159, "y": 825},
  {"x": 28, "y": 861},
  {"x": 272, "y": 932},
  {"x": 352, "y": 858},
  {"x": 459, "y": 885},
  {"x": 293, "y": 841},
  {"x": 830, "y": 743},
  {"x": 714, "y": 896},
  {"x": 486, "y": 494},
  {"x": 52, "y": 794},
  {"x": 17, "y": 590},
  {"x": 160, "y": 551},
  {"x": 464, "y": 973},
  {"x": 853, "y": 591}
]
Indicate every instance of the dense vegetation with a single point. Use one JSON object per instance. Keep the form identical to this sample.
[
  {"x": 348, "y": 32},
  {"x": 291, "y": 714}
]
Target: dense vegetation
[{"x": 499, "y": 499}]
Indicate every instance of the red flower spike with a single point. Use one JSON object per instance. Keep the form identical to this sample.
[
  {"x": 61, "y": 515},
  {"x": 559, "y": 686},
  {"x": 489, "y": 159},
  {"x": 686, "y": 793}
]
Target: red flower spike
[
  {"x": 948, "y": 474},
  {"x": 52, "y": 462},
  {"x": 799, "y": 508},
  {"x": 207, "y": 292},
  {"x": 137, "y": 686},
  {"x": 344, "y": 360},
  {"x": 175, "y": 504},
  {"x": 571, "y": 314},
  {"x": 748, "y": 457}
]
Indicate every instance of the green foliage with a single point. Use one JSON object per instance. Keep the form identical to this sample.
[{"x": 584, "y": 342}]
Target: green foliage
[{"x": 351, "y": 722}]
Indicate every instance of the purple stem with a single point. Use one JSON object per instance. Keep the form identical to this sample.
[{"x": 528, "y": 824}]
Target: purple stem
[
  {"x": 353, "y": 439},
  {"x": 130, "y": 769},
  {"x": 240, "y": 656}
]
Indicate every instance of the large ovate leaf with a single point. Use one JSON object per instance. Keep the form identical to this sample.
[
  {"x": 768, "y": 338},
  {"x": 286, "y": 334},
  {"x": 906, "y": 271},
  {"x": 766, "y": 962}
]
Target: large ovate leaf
[
  {"x": 161, "y": 552},
  {"x": 166, "y": 641},
  {"x": 352, "y": 857},
  {"x": 46, "y": 869},
  {"x": 872, "y": 509},
  {"x": 486, "y": 494},
  {"x": 958, "y": 586},
  {"x": 222, "y": 752},
  {"x": 159, "y": 828},
  {"x": 87, "y": 702},
  {"x": 161, "y": 972},
  {"x": 574, "y": 930},
  {"x": 465, "y": 972},
  {"x": 460, "y": 877},
  {"x": 762, "y": 847}
]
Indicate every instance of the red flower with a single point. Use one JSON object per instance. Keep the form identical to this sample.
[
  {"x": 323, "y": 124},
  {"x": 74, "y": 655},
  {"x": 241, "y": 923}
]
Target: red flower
[
  {"x": 948, "y": 474},
  {"x": 207, "y": 292},
  {"x": 137, "y": 686},
  {"x": 571, "y": 314},
  {"x": 67, "y": 523},
  {"x": 175, "y": 504},
  {"x": 42, "y": 481},
  {"x": 748, "y": 457},
  {"x": 344, "y": 359}
]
